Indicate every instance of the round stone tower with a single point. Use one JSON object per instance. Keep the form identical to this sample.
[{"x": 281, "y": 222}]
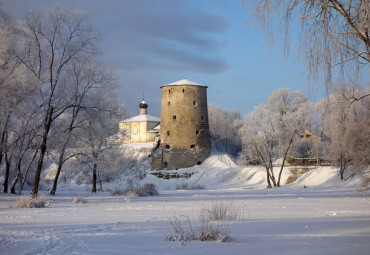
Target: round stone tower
[{"x": 184, "y": 130}]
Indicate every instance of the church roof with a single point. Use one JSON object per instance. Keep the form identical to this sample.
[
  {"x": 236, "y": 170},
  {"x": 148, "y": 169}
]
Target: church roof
[
  {"x": 143, "y": 117},
  {"x": 184, "y": 82}
]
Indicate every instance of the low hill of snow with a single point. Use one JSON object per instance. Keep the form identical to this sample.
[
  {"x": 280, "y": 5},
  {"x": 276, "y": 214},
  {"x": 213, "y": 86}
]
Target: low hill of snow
[{"x": 130, "y": 164}]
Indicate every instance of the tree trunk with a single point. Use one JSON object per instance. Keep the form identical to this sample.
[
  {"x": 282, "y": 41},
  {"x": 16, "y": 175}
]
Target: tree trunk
[
  {"x": 48, "y": 120},
  {"x": 268, "y": 179},
  {"x": 7, "y": 169},
  {"x": 285, "y": 155},
  {"x": 94, "y": 178},
  {"x": 272, "y": 176},
  {"x": 60, "y": 165},
  {"x": 61, "y": 156},
  {"x": 19, "y": 164},
  {"x": 100, "y": 183},
  {"x": 28, "y": 168},
  {"x": 4, "y": 139}
]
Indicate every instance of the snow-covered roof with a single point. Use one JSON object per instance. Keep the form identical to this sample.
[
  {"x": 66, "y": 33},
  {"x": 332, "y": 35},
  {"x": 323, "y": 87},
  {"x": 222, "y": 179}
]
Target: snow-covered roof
[
  {"x": 184, "y": 82},
  {"x": 157, "y": 127},
  {"x": 143, "y": 117}
]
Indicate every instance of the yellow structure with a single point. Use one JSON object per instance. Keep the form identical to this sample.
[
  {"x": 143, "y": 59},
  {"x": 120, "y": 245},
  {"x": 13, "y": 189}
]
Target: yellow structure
[
  {"x": 139, "y": 129},
  {"x": 308, "y": 136}
]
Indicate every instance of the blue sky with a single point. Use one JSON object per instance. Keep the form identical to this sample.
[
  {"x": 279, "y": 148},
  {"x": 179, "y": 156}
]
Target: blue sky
[{"x": 150, "y": 43}]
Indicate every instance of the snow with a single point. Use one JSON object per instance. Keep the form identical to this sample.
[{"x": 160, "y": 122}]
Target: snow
[
  {"x": 142, "y": 117},
  {"x": 327, "y": 217},
  {"x": 184, "y": 82}
]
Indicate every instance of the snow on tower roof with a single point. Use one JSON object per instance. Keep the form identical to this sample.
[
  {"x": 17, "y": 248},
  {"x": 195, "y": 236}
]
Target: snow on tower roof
[{"x": 184, "y": 82}]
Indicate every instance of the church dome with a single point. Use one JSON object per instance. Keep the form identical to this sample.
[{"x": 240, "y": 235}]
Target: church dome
[{"x": 143, "y": 105}]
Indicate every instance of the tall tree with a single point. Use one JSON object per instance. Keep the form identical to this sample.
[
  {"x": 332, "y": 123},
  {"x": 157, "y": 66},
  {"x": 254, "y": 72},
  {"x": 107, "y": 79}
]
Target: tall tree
[
  {"x": 86, "y": 79},
  {"x": 51, "y": 42},
  {"x": 332, "y": 33},
  {"x": 269, "y": 130},
  {"x": 224, "y": 133},
  {"x": 347, "y": 129},
  {"x": 99, "y": 123}
]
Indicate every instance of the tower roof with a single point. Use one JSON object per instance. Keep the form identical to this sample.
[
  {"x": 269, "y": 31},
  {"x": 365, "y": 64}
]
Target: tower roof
[{"x": 184, "y": 82}]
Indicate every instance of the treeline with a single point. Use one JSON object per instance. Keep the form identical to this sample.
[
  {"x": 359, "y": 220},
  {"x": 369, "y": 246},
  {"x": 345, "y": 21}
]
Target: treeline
[
  {"x": 55, "y": 94},
  {"x": 271, "y": 133}
]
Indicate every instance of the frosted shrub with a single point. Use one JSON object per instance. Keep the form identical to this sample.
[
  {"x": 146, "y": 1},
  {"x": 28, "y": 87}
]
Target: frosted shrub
[
  {"x": 212, "y": 224},
  {"x": 220, "y": 211},
  {"x": 147, "y": 189},
  {"x": 185, "y": 186},
  {"x": 32, "y": 202},
  {"x": 79, "y": 200}
]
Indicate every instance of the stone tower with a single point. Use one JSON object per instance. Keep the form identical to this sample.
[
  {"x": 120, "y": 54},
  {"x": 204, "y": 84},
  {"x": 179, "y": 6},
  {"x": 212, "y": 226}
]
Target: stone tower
[{"x": 184, "y": 130}]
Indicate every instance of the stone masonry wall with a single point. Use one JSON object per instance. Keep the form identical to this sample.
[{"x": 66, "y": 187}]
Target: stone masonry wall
[{"x": 184, "y": 133}]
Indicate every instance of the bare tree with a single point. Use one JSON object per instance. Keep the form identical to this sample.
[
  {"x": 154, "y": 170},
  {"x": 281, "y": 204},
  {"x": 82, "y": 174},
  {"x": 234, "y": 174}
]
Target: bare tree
[
  {"x": 346, "y": 126},
  {"x": 333, "y": 33},
  {"x": 99, "y": 123},
  {"x": 85, "y": 79},
  {"x": 224, "y": 133},
  {"x": 269, "y": 131},
  {"x": 51, "y": 42}
]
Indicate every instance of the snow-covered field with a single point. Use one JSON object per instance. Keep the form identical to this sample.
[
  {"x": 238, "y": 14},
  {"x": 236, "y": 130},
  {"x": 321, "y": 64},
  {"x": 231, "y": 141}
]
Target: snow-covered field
[{"x": 327, "y": 217}]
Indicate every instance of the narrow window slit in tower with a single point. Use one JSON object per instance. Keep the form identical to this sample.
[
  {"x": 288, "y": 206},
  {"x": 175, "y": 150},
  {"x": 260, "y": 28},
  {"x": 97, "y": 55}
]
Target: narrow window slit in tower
[
  {"x": 194, "y": 103},
  {"x": 169, "y": 91},
  {"x": 168, "y": 133},
  {"x": 168, "y": 103},
  {"x": 174, "y": 117},
  {"x": 192, "y": 146},
  {"x": 165, "y": 164},
  {"x": 201, "y": 117},
  {"x": 183, "y": 90},
  {"x": 197, "y": 133}
]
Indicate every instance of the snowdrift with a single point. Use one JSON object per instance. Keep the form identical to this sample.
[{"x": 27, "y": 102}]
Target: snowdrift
[{"x": 132, "y": 167}]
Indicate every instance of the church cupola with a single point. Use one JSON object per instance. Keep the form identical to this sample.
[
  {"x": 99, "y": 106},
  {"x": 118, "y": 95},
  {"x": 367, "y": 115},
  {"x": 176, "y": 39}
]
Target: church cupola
[{"x": 143, "y": 107}]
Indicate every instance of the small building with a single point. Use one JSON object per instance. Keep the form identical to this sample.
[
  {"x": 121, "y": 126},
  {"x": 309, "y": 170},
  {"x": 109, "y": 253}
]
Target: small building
[
  {"x": 184, "y": 130},
  {"x": 308, "y": 136},
  {"x": 142, "y": 128}
]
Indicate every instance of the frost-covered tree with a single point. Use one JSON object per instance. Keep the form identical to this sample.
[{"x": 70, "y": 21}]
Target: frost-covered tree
[
  {"x": 269, "y": 130},
  {"x": 333, "y": 35},
  {"x": 51, "y": 42},
  {"x": 87, "y": 80},
  {"x": 346, "y": 127},
  {"x": 99, "y": 123},
  {"x": 223, "y": 129}
]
